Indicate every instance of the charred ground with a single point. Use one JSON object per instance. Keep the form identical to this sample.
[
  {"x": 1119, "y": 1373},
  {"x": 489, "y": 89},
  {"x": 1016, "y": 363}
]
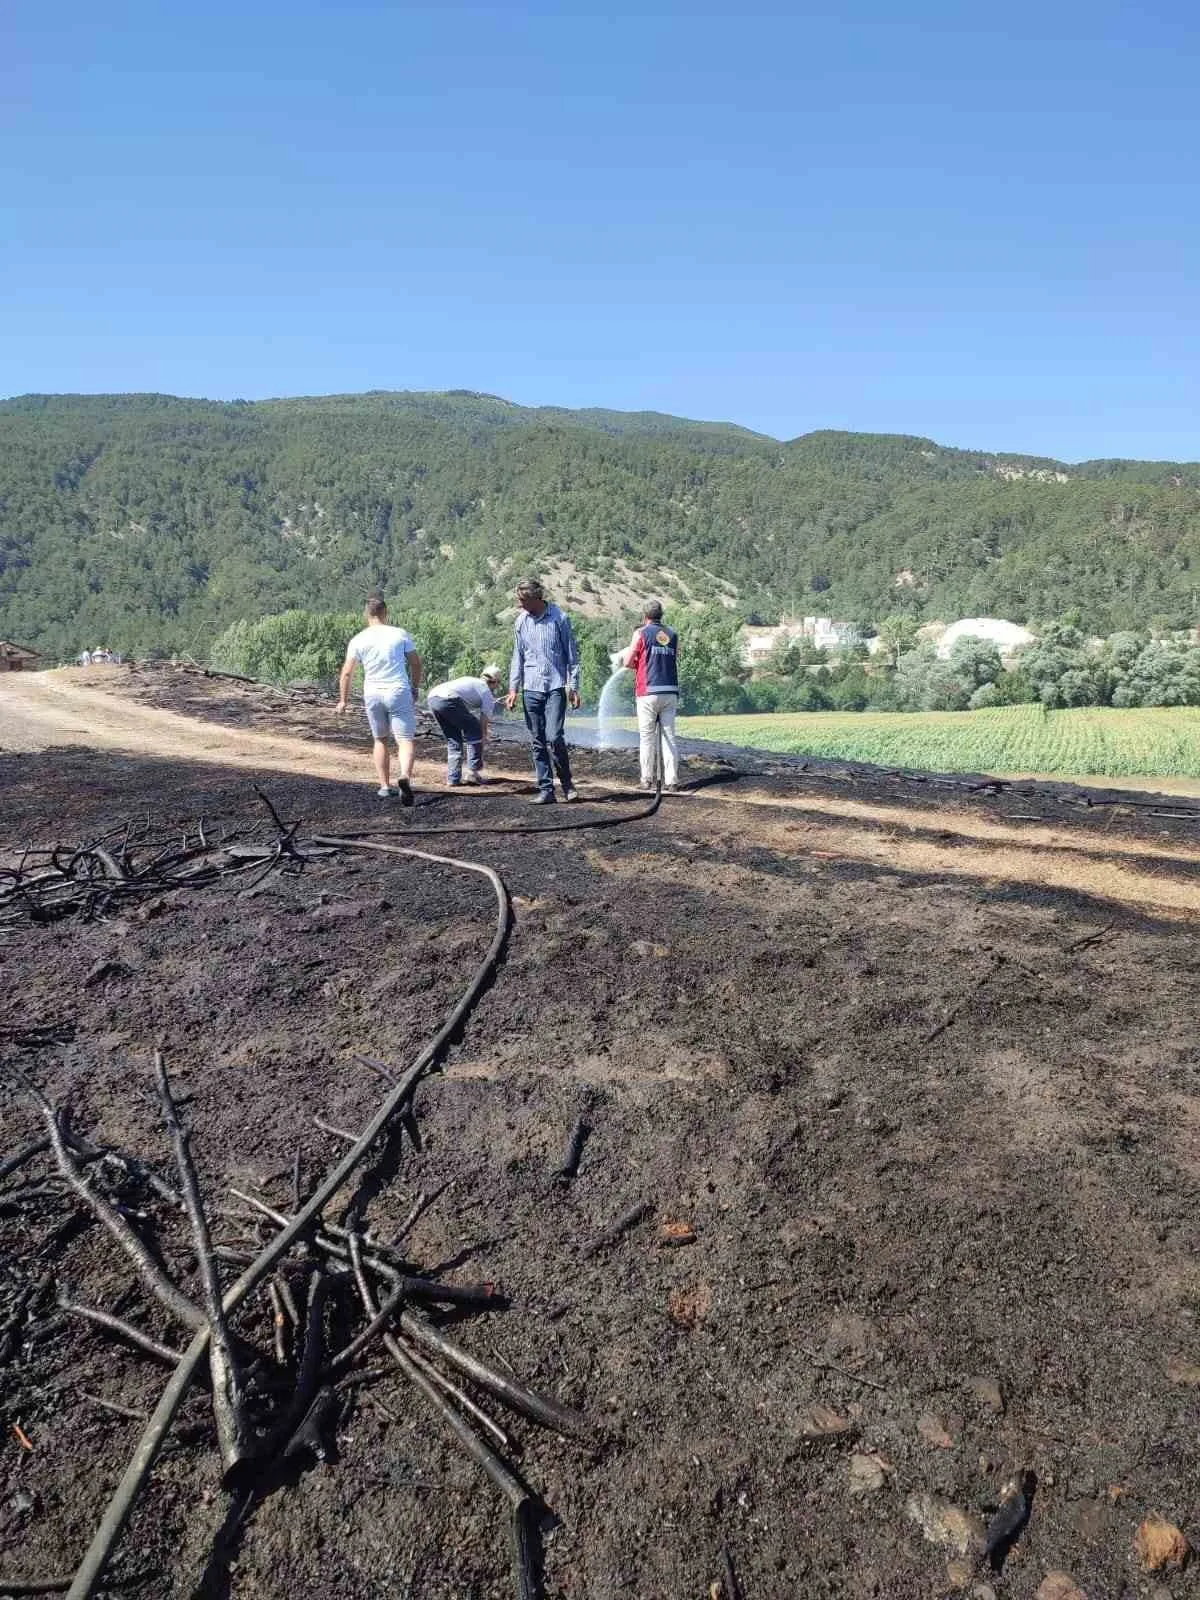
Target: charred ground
[{"x": 931, "y": 1121}]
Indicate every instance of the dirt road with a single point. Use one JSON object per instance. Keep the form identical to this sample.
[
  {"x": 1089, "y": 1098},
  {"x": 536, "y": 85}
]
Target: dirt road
[{"x": 85, "y": 707}]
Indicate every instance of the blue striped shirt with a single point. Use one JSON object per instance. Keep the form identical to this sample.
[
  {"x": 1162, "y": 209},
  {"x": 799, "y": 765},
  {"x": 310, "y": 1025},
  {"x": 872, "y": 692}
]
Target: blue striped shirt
[{"x": 545, "y": 656}]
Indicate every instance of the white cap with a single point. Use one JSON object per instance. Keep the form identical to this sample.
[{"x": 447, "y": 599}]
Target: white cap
[{"x": 491, "y": 672}]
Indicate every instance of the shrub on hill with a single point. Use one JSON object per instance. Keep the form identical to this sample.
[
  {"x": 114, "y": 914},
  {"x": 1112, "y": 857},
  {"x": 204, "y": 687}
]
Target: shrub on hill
[
  {"x": 296, "y": 644},
  {"x": 311, "y": 645}
]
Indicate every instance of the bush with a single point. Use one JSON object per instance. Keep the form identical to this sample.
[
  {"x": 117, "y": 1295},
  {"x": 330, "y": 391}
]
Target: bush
[
  {"x": 1012, "y": 688},
  {"x": 925, "y": 682},
  {"x": 293, "y": 645},
  {"x": 883, "y": 693},
  {"x": 804, "y": 694},
  {"x": 311, "y": 646},
  {"x": 711, "y": 671},
  {"x": 1164, "y": 673},
  {"x": 594, "y": 639},
  {"x": 1060, "y": 669},
  {"x": 728, "y": 698},
  {"x": 849, "y": 689},
  {"x": 765, "y": 694}
]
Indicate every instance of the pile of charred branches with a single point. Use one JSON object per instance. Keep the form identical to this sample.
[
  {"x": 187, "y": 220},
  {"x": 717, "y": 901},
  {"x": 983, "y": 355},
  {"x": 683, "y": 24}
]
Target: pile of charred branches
[
  {"x": 281, "y": 1360},
  {"x": 51, "y": 882},
  {"x": 272, "y": 1353}
]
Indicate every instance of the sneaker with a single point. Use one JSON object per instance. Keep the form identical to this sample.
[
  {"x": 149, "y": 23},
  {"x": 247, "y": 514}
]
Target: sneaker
[
  {"x": 570, "y": 794},
  {"x": 544, "y": 797},
  {"x": 406, "y": 794},
  {"x": 471, "y": 776},
  {"x": 384, "y": 792},
  {"x": 452, "y": 783}
]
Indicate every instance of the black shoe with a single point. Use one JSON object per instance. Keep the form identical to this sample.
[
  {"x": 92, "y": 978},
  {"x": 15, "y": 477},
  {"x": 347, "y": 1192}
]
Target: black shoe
[
  {"x": 544, "y": 797},
  {"x": 406, "y": 794}
]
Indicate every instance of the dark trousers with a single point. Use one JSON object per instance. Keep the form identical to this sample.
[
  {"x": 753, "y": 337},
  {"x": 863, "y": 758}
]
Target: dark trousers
[
  {"x": 461, "y": 727},
  {"x": 544, "y": 717}
]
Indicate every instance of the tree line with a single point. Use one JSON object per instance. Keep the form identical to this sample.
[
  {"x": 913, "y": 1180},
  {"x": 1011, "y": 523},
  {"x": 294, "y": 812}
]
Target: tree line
[
  {"x": 1062, "y": 668},
  {"x": 310, "y": 646},
  {"x": 151, "y": 523}
]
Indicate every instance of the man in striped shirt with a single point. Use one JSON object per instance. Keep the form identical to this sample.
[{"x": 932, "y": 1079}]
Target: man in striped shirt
[{"x": 545, "y": 671}]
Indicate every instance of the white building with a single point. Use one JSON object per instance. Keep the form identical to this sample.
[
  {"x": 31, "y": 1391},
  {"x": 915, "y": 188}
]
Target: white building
[
  {"x": 824, "y": 632},
  {"x": 827, "y": 634},
  {"x": 1008, "y": 637},
  {"x": 758, "y": 643}
]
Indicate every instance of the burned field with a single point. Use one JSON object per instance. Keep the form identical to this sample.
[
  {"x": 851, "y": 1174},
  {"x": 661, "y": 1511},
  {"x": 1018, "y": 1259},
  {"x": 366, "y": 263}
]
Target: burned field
[{"x": 884, "y": 1196}]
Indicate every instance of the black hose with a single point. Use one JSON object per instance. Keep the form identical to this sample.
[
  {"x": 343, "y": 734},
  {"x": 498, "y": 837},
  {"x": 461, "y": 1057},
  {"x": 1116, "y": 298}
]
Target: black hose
[{"x": 498, "y": 827}]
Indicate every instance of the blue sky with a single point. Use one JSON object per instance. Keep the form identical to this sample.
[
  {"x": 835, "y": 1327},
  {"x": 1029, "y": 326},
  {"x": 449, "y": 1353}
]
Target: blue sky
[{"x": 976, "y": 223}]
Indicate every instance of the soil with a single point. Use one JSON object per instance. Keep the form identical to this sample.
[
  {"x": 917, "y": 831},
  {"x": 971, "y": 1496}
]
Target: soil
[{"x": 917, "y": 1065}]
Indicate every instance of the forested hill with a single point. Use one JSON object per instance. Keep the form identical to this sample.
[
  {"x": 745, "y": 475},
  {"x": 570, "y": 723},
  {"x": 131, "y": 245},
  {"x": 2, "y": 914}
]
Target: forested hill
[{"x": 146, "y": 521}]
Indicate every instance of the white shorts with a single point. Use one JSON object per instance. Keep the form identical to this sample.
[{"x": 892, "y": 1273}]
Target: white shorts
[{"x": 392, "y": 713}]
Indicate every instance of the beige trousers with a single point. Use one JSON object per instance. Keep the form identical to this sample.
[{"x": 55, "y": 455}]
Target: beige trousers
[{"x": 656, "y": 731}]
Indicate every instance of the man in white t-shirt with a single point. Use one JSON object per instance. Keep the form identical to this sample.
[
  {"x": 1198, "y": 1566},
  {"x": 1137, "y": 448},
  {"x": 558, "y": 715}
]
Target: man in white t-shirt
[
  {"x": 463, "y": 708},
  {"x": 391, "y": 678}
]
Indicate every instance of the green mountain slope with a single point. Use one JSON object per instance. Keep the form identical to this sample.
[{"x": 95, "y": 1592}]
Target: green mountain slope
[{"x": 146, "y": 520}]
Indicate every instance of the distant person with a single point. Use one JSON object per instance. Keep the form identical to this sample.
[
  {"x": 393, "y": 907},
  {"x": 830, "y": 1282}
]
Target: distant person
[
  {"x": 654, "y": 657},
  {"x": 85, "y": 658},
  {"x": 545, "y": 670},
  {"x": 391, "y": 678},
  {"x": 463, "y": 709}
]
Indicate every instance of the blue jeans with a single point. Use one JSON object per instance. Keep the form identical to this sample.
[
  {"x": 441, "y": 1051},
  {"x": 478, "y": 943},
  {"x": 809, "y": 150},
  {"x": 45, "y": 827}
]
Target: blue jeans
[
  {"x": 544, "y": 717},
  {"x": 461, "y": 727}
]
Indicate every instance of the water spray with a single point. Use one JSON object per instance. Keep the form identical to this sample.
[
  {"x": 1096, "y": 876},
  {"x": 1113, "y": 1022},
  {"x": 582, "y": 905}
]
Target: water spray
[{"x": 608, "y": 711}]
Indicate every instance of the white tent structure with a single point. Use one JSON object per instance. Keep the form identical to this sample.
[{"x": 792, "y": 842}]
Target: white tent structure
[{"x": 1008, "y": 637}]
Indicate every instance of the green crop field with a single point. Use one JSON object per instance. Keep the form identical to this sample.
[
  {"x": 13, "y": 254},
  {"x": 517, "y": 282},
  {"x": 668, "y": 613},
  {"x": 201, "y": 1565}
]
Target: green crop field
[{"x": 1093, "y": 740}]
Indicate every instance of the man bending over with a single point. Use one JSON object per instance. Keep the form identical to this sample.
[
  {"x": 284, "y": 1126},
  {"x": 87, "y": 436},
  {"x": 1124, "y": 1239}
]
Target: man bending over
[{"x": 463, "y": 709}]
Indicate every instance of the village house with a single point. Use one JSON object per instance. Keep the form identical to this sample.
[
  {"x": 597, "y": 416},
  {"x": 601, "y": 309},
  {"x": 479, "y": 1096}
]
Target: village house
[
  {"x": 823, "y": 632},
  {"x": 758, "y": 643},
  {"x": 17, "y": 657}
]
